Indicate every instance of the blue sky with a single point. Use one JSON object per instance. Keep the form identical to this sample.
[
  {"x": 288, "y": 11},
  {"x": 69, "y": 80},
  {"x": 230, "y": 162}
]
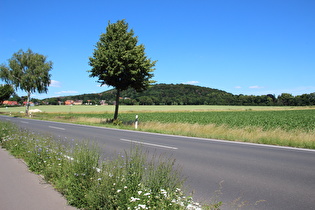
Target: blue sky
[{"x": 251, "y": 47}]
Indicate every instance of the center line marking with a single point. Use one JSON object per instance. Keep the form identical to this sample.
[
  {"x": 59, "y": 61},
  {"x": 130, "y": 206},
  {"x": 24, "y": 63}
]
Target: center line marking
[
  {"x": 24, "y": 122},
  {"x": 155, "y": 145},
  {"x": 57, "y": 128}
]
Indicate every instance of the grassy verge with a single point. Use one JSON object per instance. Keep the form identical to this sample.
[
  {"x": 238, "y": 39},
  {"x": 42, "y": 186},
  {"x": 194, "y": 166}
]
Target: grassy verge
[{"x": 128, "y": 181}]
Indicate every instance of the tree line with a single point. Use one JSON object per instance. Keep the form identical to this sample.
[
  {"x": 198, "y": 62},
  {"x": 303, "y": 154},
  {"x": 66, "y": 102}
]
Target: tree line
[{"x": 182, "y": 94}]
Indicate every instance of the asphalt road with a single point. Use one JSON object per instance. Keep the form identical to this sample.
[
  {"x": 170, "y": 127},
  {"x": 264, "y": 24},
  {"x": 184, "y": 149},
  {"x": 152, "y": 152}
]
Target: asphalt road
[{"x": 248, "y": 175}]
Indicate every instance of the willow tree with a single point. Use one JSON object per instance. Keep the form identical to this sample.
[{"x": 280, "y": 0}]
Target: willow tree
[
  {"x": 120, "y": 62},
  {"x": 27, "y": 71}
]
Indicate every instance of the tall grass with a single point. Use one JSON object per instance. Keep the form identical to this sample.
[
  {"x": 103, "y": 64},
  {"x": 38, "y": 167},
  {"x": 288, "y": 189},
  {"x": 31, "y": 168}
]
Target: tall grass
[
  {"x": 130, "y": 180},
  {"x": 277, "y": 136}
]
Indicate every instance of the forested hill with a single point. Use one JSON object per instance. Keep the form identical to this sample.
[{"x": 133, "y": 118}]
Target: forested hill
[
  {"x": 182, "y": 94},
  {"x": 173, "y": 94},
  {"x": 159, "y": 94}
]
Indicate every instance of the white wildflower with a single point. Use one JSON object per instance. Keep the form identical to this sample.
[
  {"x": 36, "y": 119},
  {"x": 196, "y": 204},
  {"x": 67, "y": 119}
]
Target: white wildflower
[
  {"x": 142, "y": 206},
  {"x": 193, "y": 207},
  {"x": 163, "y": 192},
  {"x": 132, "y": 199}
]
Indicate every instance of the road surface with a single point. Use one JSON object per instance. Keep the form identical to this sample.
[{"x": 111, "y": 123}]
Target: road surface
[{"x": 251, "y": 175}]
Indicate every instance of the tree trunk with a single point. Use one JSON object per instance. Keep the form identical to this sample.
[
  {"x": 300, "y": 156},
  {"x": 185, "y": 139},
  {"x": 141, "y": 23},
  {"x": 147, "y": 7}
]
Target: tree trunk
[
  {"x": 117, "y": 104},
  {"x": 28, "y": 103}
]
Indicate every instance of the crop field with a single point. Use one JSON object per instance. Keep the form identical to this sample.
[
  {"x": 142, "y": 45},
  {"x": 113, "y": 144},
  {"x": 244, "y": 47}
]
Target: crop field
[{"x": 287, "y": 120}]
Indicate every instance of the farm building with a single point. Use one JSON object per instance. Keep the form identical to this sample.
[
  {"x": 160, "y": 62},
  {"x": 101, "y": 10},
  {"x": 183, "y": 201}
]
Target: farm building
[
  {"x": 10, "y": 103},
  {"x": 69, "y": 102},
  {"x": 72, "y": 102}
]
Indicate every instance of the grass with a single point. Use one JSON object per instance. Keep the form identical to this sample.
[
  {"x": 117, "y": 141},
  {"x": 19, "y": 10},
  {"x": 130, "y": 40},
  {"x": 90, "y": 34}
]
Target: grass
[{"x": 130, "y": 180}]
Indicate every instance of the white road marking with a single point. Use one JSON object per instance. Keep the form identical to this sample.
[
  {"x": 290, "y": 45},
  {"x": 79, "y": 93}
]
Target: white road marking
[
  {"x": 57, "y": 128},
  {"x": 24, "y": 122},
  {"x": 155, "y": 145}
]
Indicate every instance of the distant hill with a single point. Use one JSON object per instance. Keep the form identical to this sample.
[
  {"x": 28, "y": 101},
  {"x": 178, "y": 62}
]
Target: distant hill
[
  {"x": 173, "y": 94},
  {"x": 161, "y": 94},
  {"x": 182, "y": 94}
]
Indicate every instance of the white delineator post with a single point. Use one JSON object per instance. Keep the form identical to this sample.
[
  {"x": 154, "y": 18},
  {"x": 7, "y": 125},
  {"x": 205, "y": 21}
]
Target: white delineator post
[{"x": 136, "y": 122}]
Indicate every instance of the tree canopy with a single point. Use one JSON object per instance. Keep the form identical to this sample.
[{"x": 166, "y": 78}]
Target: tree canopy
[
  {"x": 27, "y": 71},
  {"x": 120, "y": 62}
]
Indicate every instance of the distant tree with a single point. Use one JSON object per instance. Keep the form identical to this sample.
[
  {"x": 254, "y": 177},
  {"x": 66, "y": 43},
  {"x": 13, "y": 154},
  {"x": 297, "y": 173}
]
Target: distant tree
[
  {"x": 119, "y": 62},
  {"x": 305, "y": 99},
  {"x": 312, "y": 98},
  {"x": 53, "y": 101},
  {"x": 286, "y": 99},
  {"x": 27, "y": 71},
  {"x": 5, "y": 92}
]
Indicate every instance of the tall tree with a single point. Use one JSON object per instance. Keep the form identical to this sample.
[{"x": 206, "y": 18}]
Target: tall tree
[
  {"x": 5, "y": 92},
  {"x": 27, "y": 71},
  {"x": 120, "y": 62}
]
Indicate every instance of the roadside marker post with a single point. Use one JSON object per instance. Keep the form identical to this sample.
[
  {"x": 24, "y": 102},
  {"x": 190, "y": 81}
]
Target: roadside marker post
[{"x": 136, "y": 122}]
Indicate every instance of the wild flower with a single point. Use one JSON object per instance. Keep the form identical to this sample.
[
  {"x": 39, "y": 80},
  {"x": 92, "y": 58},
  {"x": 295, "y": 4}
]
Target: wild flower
[
  {"x": 193, "y": 207},
  {"x": 133, "y": 199},
  {"x": 163, "y": 192},
  {"x": 140, "y": 206}
]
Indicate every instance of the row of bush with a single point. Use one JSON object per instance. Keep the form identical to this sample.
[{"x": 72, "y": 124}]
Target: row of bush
[{"x": 131, "y": 180}]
